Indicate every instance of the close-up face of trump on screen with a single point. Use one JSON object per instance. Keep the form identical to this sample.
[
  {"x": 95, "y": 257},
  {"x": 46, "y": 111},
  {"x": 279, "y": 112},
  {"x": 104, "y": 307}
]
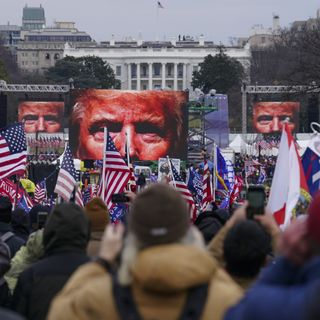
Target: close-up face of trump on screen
[{"x": 150, "y": 121}]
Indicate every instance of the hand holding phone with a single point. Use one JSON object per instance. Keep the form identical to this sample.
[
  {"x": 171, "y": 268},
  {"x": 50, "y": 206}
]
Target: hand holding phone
[
  {"x": 119, "y": 198},
  {"x": 256, "y": 198}
]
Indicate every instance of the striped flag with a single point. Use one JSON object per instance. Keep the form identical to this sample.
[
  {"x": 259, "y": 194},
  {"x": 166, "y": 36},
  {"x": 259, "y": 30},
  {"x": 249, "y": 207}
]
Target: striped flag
[
  {"x": 115, "y": 173},
  {"x": 67, "y": 178},
  {"x": 178, "y": 183},
  {"x": 40, "y": 192},
  {"x": 13, "y": 151},
  {"x": 132, "y": 184},
  {"x": 207, "y": 192},
  {"x": 25, "y": 203}
]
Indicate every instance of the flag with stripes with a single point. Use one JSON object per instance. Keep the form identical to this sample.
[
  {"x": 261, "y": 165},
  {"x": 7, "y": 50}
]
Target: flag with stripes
[
  {"x": 40, "y": 192},
  {"x": 132, "y": 184},
  {"x": 207, "y": 191},
  {"x": 115, "y": 173},
  {"x": 13, "y": 151},
  {"x": 178, "y": 183},
  {"x": 25, "y": 202},
  {"x": 67, "y": 178}
]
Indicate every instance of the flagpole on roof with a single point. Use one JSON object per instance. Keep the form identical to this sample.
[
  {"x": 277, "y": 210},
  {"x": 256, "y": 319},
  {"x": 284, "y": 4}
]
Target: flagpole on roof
[{"x": 171, "y": 172}]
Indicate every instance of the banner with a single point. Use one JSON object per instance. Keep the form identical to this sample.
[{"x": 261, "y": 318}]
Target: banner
[
  {"x": 9, "y": 189},
  {"x": 164, "y": 169}
]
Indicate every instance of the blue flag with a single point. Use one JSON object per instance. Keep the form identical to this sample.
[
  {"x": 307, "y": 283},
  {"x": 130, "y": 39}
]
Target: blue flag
[
  {"x": 311, "y": 168},
  {"x": 194, "y": 184},
  {"x": 222, "y": 169}
]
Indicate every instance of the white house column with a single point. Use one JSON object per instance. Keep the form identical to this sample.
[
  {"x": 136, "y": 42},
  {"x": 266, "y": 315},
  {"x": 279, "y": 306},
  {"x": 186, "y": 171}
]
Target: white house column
[
  {"x": 175, "y": 76},
  {"x": 184, "y": 77},
  {"x": 129, "y": 77},
  {"x": 138, "y": 77},
  {"x": 163, "y": 74},
  {"x": 150, "y": 76}
]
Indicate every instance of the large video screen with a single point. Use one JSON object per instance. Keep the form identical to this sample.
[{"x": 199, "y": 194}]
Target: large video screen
[
  {"x": 152, "y": 123},
  {"x": 268, "y": 117},
  {"x": 41, "y": 116}
]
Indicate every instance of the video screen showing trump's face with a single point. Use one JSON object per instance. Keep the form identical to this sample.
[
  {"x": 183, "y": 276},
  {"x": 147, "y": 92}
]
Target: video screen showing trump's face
[
  {"x": 154, "y": 123},
  {"x": 268, "y": 117},
  {"x": 41, "y": 116}
]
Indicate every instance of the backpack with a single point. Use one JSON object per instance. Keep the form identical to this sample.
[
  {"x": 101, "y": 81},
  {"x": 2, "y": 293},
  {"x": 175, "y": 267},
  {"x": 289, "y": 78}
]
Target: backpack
[
  {"x": 127, "y": 308},
  {"x": 5, "y": 237}
]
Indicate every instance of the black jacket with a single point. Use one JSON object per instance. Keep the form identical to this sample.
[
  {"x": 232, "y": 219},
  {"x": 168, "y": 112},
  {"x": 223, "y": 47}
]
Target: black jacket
[
  {"x": 14, "y": 243},
  {"x": 65, "y": 239}
]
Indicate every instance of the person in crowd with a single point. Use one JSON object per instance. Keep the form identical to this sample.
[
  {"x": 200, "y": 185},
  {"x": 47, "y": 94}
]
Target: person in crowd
[
  {"x": 210, "y": 222},
  {"x": 98, "y": 215},
  {"x": 6, "y": 314},
  {"x": 243, "y": 246},
  {"x": 20, "y": 224},
  {"x": 151, "y": 121},
  {"x": 28, "y": 254},
  {"x": 41, "y": 116},
  {"x": 165, "y": 270},
  {"x": 290, "y": 287},
  {"x": 65, "y": 238},
  {"x": 6, "y": 232},
  {"x": 5, "y": 296},
  {"x": 37, "y": 217},
  {"x": 269, "y": 116},
  {"x": 141, "y": 181}
]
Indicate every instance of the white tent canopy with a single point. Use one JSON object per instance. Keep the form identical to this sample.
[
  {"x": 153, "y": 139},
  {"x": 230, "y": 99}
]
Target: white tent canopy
[{"x": 238, "y": 144}]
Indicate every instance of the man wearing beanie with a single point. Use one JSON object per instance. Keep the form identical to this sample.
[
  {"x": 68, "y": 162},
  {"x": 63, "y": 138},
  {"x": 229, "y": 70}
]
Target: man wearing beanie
[
  {"x": 290, "y": 287},
  {"x": 165, "y": 271},
  {"x": 98, "y": 215},
  {"x": 6, "y": 232},
  {"x": 65, "y": 238}
]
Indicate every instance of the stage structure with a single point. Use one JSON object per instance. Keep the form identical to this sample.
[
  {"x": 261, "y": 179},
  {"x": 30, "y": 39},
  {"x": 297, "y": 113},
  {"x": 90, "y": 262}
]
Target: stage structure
[{"x": 256, "y": 89}]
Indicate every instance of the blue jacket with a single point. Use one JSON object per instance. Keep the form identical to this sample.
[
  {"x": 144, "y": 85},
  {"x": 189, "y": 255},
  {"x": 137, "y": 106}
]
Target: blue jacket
[{"x": 283, "y": 292}]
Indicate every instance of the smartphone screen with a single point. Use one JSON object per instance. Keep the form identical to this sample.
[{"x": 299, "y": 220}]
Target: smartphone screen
[{"x": 256, "y": 198}]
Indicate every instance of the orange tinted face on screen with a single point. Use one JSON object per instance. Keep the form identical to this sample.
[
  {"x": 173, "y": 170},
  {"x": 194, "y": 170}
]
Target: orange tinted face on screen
[
  {"x": 41, "y": 116},
  {"x": 150, "y": 121},
  {"x": 268, "y": 117}
]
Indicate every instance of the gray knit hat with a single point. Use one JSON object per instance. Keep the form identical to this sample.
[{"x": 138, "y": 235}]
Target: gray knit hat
[{"x": 159, "y": 215}]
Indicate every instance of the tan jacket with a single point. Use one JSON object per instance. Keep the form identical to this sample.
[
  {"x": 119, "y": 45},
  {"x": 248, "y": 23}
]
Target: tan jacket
[
  {"x": 94, "y": 243},
  {"x": 161, "y": 278}
]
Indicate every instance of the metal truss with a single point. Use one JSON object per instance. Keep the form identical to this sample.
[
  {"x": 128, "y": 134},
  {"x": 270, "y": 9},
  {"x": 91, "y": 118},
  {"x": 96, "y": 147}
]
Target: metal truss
[
  {"x": 52, "y": 88},
  {"x": 246, "y": 89}
]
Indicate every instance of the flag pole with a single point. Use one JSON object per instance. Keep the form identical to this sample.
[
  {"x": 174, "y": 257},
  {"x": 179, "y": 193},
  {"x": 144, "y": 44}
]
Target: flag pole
[
  {"x": 214, "y": 175},
  {"x": 15, "y": 202},
  {"x": 128, "y": 146},
  {"x": 105, "y": 131},
  {"x": 171, "y": 172}
]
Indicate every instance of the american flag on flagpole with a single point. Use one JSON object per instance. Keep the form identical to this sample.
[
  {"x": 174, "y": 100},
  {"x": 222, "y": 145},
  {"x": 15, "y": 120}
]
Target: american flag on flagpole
[
  {"x": 181, "y": 186},
  {"x": 207, "y": 196},
  {"x": 115, "y": 173},
  {"x": 13, "y": 151},
  {"x": 40, "y": 192},
  {"x": 67, "y": 178}
]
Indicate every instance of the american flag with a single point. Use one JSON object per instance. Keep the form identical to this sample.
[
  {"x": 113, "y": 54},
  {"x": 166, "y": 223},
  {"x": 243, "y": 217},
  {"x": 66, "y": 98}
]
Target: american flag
[
  {"x": 25, "y": 203},
  {"x": 13, "y": 151},
  {"x": 40, "y": 192},
  {"x": 132, "y": 185},
  {"x": 207, "y": 193},
  {"x": 181, "y": 186},
  {"x": 237, "y": 187},
  {"x": 67, "y": 178},
  {"x": 115, "y": 173}
]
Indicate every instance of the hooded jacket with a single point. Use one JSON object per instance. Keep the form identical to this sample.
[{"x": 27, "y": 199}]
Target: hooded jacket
[
  {"x": 65, "y": 237},
  {"x": 161, "y": 277}
]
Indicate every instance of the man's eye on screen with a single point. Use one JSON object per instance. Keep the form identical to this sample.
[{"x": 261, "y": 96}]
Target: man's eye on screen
[
  {"x": 286, "y": 117},
  {"x": 51, "y": 119},
  {"x": 97, "y": 130},
  {"x": 264, "y": 119},
  {"x": 150, "y": 132},
  {"x": 30, "y": 118}
]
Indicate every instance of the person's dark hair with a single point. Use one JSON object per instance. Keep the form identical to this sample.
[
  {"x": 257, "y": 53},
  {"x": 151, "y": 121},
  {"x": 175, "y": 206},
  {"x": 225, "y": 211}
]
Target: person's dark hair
[
  {"x": 245, "y": 249},
  {"x": 5, "y": 209}
]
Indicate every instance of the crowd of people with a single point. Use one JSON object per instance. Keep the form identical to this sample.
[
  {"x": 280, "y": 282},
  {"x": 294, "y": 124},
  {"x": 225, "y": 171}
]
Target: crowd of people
[{"x": 72, "y": 263}]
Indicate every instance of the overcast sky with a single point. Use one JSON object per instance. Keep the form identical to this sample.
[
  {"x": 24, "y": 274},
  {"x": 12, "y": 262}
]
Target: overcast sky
[{"x": 217, "y": 20}]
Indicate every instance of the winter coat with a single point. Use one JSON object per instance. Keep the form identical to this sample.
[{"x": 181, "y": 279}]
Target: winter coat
[
  {"x": 161, "y": 277},
  {"x": 28, "y": 254},
  {"x": 284, "y": 292},
  {"x": 5, "y": 296},
  {"x": 14, "y": 243},
  {"x": 65, "y": 239}
]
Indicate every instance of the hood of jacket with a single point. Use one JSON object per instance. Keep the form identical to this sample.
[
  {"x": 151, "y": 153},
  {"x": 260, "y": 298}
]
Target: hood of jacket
[
  {"x": 66, "y": 227},
  {"x": 172, "y": 268}
]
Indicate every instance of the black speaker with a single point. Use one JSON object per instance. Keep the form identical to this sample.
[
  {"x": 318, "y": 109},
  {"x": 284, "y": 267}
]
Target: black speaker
[{"x": 3, "y": 110}]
